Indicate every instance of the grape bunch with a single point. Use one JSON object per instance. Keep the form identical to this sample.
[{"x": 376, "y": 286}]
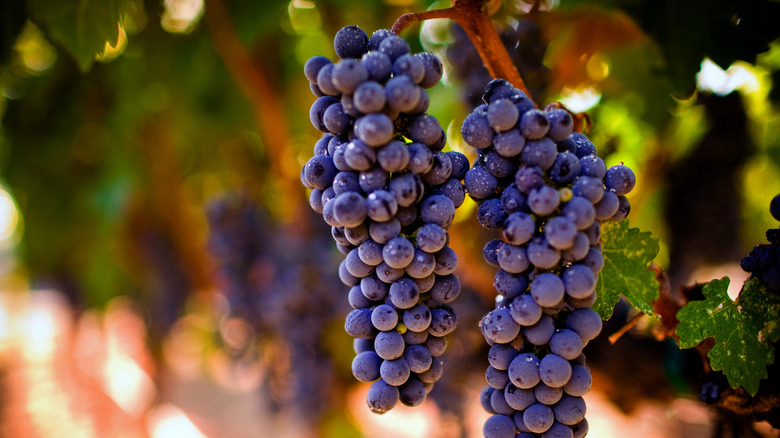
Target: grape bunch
[
  {"x": 545, "y": 188},
  {"x": 381, "y": 180},
  {"x": 763, "y": 262}
]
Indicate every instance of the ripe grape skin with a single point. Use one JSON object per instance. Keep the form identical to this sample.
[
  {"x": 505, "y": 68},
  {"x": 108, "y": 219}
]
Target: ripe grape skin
[
  {"x": 543, "y": 201},
  {"x": 359, "y": 156},
  {"x": 358, "y": 323},
  {"x": 409, "y": 65},
  {"x": 565, "y": 168},
  {"x": 446, "y": 261},
  {"x": 436, "y": 345},
  {"x": 607, "y": 206},
  {"x": 412, "y": 393},
  {"x": 541, "y": 332},
  {"x": 389, "y": 345},
  {"x": 586, "y": 322},
  {"x": 525, "y": 311},
  {"x": 518, "y": 398},
  {"x": 425, "y": 129},
  {"x": 381, "y": 397},
  {"x": 593, "y": 166},
  {"x": 480, "y": 183},
  {"x": 348, "y": 74},
  {"x": 541, "y": 254},
  {"x": 546, "y": 394},
  {"x": 558, "y": 430},
  {"x": 395, "y": 371},
  {"x": 369, "y": 97},
  {"x": 528, "y": 178},
  {"x": 501, "y": 355},
  {"x": 581, "y": 211},
  {"x": 509, "y": 143},
  {"x": 440, "y": 170},
  {"x": 365, "y": 366},
  {"x": 377, "y": 37},
  {"x": 560, "y": 232},
  {"x": 499, "y": 426},
  {"x": 417, "y": 318},
  {"x": 570, "y": 410},
  {"x": 589, "y": 188},
  {"x": 381, "y": 205},
  {"x": 541, "y": 153},
  {"x": 502, "y": 114},
  {"x": 534, "y": 124},
  {"x": 566, "y": 343},
  {"x": 313, "y": 66},
  {"x": 579, "y": 281},
  {"x": 538, "y": 417},
  {"x": 499, "y": 326},
  {"x": 496, "y": 378},
  {"x": 499, "y": 404},
  {"x": 547, "y": 289},
  {"x": 510, "y": 285},
  {"x": 476, "y": 131},
  {"x": 561, "y": 124},
  {"x": 524, "y": 371},
  {"x": 420, "y": 158},
  {"x": 401, "y": 93},
  {"x": 394, "y": 47},
  {"x": 446, "y": 288},
  {"x": 438, "y": 209},
  {"x": 774, "y": 207},
  {"x": 403, "y": 293},
  {"x": 443, "y": 322},
  {"x": 434, "y": 373},
  {"x": 620, "y": 179},
  {"x": 580, "y": 381},
  {"x": 554, "y": 370},
  {"x": 490, "y": 214},
  {"x": 350, "y": 42}
]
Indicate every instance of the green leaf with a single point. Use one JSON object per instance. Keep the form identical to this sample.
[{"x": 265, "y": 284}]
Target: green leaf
[
  {"x": 743, "y": 330},
  {"x": 83, "y": 27},
  {"x": 627, "y": 254}
]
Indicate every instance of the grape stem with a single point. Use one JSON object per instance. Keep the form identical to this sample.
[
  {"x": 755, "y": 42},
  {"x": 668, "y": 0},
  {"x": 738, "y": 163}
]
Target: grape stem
[{"x": 474, "y": 17}]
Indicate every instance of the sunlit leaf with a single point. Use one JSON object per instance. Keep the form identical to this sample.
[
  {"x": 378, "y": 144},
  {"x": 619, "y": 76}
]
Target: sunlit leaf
[
  {"x": 627, "y": 254},
  {"x": 743, "y": 330},
  {"x": 82, "y": 27}
]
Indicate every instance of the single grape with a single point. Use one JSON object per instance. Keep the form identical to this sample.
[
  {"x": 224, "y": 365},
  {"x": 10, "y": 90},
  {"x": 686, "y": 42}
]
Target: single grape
[
  {"x": 382, "y": 397},
  {"x": 350, "y": 42},
  {"x": 538, "y": 417},
  {"x": 365, "y": 366}
]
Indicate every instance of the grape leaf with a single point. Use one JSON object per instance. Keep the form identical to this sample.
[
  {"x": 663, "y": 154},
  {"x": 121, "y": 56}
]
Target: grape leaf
[
  {"x": 627, "y": 253},
  {"x": 81, "y": 26},
  {"x": 743, "y": 330}
]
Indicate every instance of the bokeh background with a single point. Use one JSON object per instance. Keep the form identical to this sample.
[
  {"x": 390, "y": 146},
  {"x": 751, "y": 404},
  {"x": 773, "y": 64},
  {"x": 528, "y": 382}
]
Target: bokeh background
[{"x": 161, "y": 272}]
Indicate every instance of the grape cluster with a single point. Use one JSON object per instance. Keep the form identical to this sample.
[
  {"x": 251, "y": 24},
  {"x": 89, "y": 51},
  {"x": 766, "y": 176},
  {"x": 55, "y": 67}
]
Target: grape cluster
[
  {"x": 381, "y": 180},
  {"x": 267, "y": 275},
  {"x": 545, "y": 188},
  {"x": 763, "y": 262}
]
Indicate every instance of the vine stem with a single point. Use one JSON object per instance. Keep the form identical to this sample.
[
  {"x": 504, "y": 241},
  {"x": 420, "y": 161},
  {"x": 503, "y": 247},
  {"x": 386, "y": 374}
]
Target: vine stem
[
  {"x": 474, "y": 17},
  {"x": 257, "y": 86}
]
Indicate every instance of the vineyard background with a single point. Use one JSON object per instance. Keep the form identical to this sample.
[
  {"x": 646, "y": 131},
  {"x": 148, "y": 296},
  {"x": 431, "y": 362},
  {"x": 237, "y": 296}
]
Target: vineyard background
[{"x": 162, "y": 274}]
